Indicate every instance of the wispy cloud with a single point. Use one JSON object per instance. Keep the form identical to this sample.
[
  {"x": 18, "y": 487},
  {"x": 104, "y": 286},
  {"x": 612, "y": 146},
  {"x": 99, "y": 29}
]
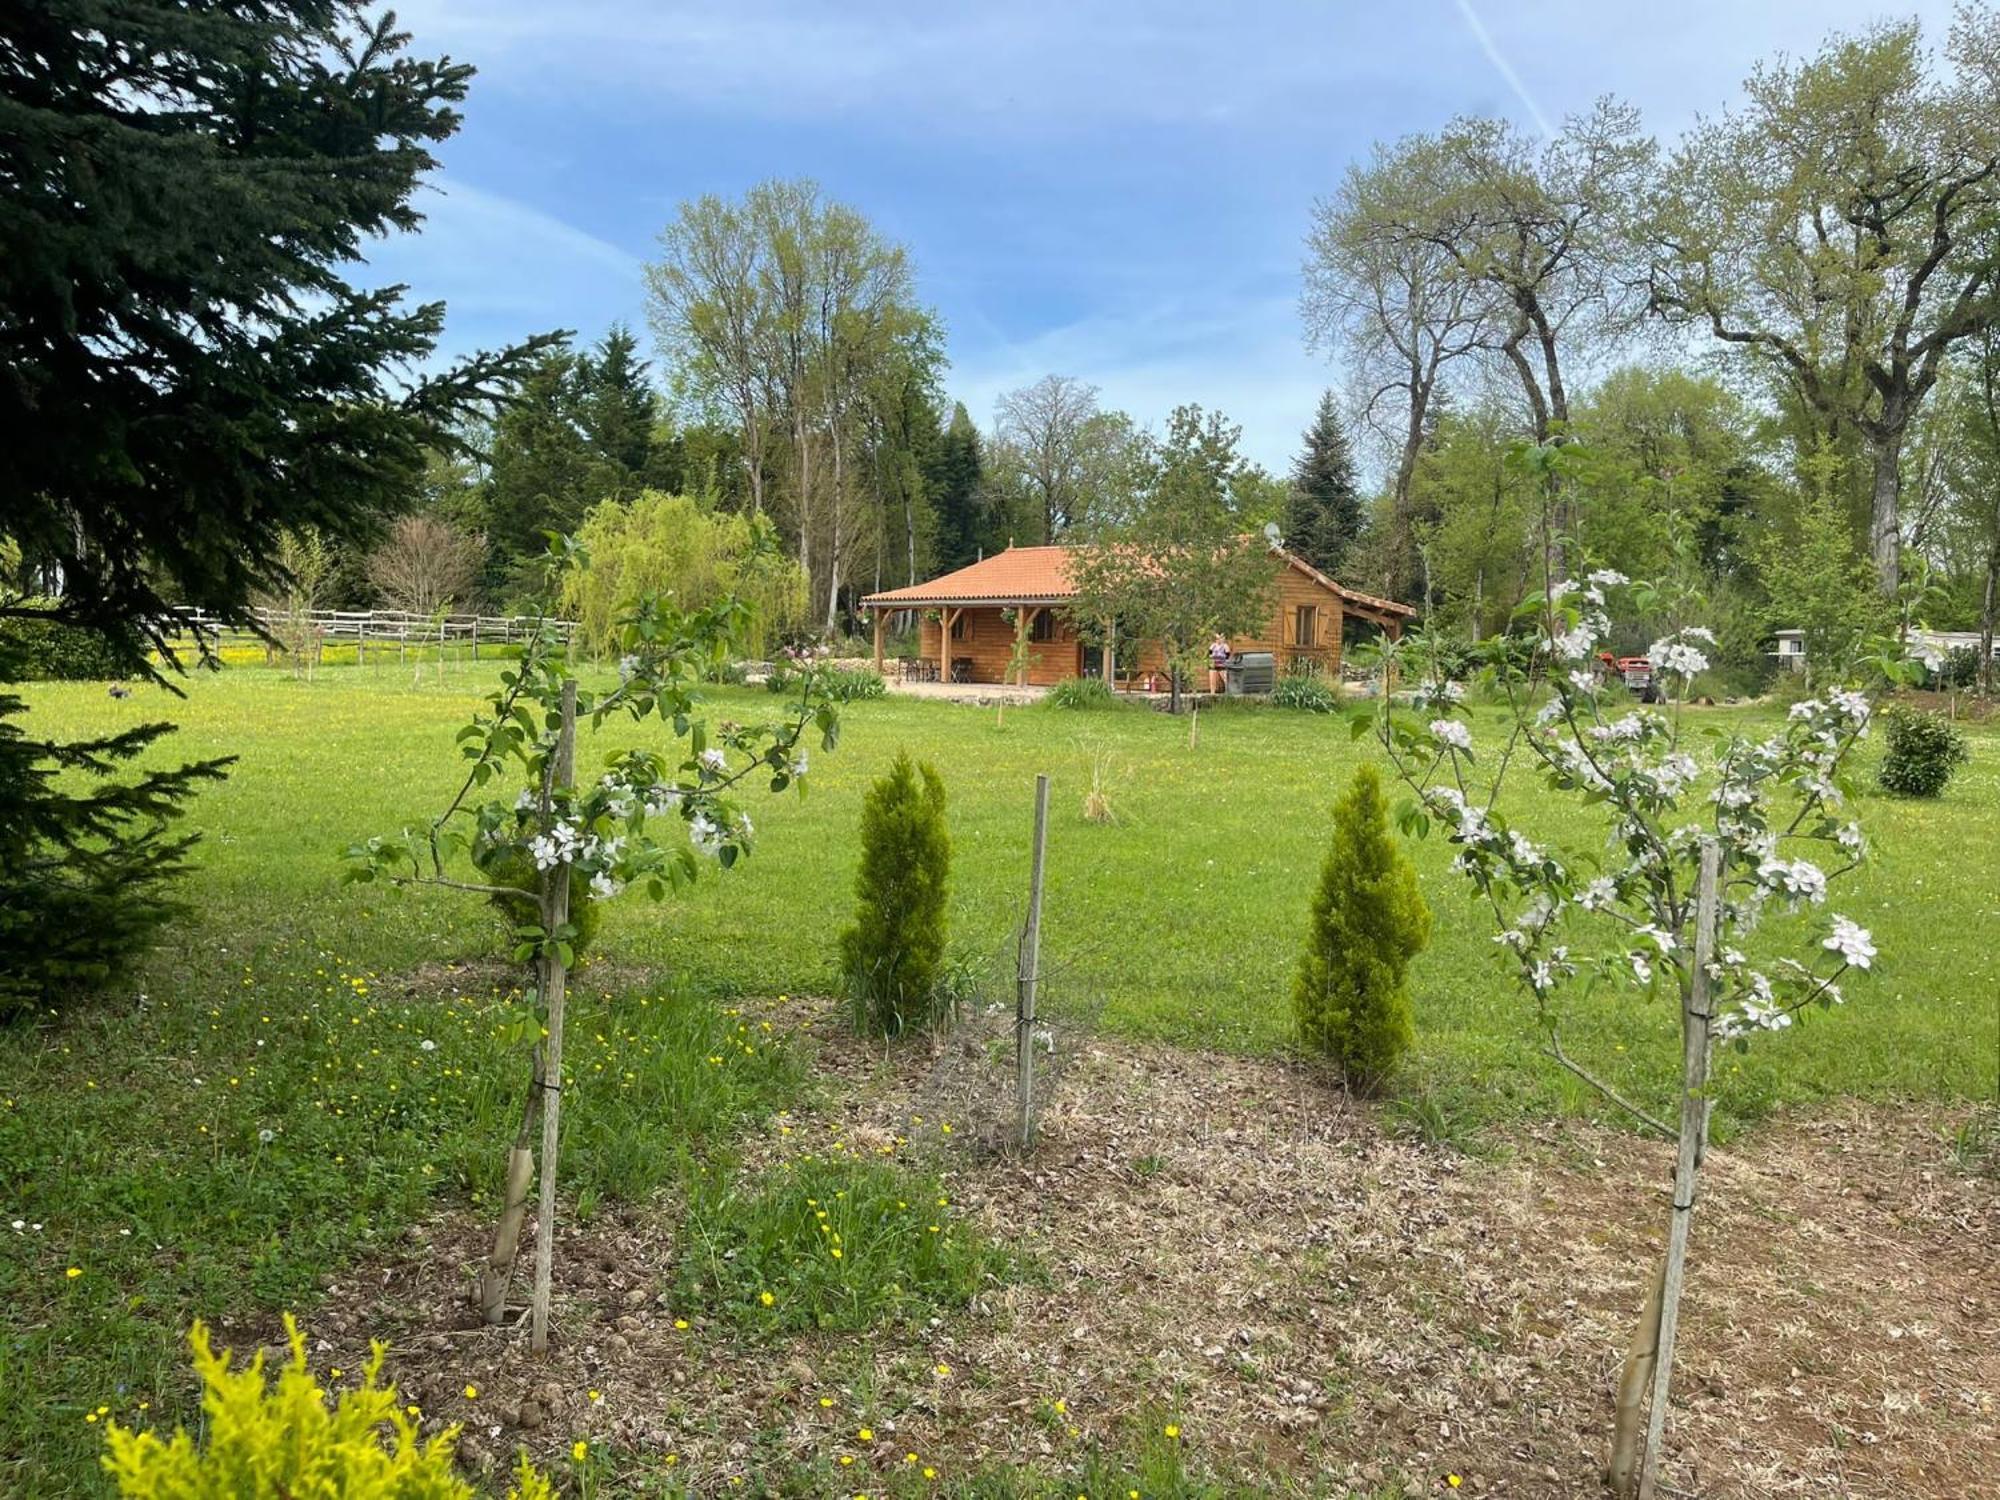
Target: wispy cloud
[{"x": 1503, "y": 67}]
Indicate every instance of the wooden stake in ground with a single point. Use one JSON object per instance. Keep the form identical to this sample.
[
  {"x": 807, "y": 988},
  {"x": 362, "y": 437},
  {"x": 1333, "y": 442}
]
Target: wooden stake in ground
[
  {"x": 499, "y": 1273},
  {"x": 1663, "y": 1307},
  {"x": 555, "y": 913},
  {"x": 1030, "y": 966}
]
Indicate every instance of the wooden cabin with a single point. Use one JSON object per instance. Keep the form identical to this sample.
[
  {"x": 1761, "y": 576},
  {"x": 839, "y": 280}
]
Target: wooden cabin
[{"x": 966, "y": 621}]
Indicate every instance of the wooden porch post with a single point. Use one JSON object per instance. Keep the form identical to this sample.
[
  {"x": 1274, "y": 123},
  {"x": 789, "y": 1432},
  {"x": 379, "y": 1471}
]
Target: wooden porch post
[
  {"x": 878, "y": 640},
  {"x": 1110, "y": 657},
  {"x": 944, "y": 643}
]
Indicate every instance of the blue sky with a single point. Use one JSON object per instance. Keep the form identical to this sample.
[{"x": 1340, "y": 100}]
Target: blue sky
[{"x": 1117, "y": 191}]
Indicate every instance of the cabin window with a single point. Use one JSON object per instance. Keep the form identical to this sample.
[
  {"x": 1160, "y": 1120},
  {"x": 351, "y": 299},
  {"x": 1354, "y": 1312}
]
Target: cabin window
[
  {"x": 1305, "y": 625},
  {"x": 958, "y": 626},
  {"x": 1044, "y": 626}
]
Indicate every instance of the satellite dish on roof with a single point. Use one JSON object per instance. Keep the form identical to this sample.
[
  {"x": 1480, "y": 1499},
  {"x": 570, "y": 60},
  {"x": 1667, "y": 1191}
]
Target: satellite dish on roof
[{"x": 1271, "y": 535}]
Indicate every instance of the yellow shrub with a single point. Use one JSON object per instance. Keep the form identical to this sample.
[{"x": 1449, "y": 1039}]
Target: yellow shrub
[{"x": 268, "y": 1440}]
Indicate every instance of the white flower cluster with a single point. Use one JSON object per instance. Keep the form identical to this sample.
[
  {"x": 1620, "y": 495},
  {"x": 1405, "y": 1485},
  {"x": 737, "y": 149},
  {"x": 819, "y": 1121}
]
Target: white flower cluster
[
  {"x": 1797, "y": 880},
  {"x": 1676, "y": 656},
  {"x": 1453, "y": 733},
  {"x": 714, "y": 762},
  {"x": 1853, "y": 942}
]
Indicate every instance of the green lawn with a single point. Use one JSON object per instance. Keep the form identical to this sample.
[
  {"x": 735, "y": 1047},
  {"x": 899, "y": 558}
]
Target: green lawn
[{"x": 131, "y": 1131}]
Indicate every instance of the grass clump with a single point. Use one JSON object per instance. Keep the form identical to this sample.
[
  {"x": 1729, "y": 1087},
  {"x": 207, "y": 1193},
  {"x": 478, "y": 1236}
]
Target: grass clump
[
  {"x": 1924, "y": 750},
  {"x": 829, "y": 1242},
  {"x": 893, "y": 955},
  {"x": 1351, "y": 997},
  {"x": 1081, "y": 693},
  {"x": 1309, "y": 692}
]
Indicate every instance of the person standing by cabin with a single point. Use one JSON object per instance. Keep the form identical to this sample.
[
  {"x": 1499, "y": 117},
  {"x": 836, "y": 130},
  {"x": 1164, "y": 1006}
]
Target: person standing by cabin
[{"x": 1218, "y": 664}]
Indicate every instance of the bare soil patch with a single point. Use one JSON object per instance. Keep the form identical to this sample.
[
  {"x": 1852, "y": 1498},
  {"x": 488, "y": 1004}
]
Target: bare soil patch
[{"x": 1230, "y": 1245}]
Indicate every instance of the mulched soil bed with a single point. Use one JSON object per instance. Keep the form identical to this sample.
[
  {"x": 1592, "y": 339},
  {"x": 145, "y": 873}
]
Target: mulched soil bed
[{"x": 1230, "y": 1245}]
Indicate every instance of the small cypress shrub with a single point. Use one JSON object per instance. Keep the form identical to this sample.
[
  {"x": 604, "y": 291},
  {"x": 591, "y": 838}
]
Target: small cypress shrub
[
  {"x": 893, "y": 955},
  {"x": 1923, "y": 750},
  {"x": 278, "y": 1436},
  {"x": 1351, "y": 997}
]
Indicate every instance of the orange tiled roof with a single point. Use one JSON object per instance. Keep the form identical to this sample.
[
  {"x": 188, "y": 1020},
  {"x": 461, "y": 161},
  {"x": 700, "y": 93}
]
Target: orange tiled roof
[
  {"x": 1020, "y": 575},
  {"x": 1040, "y": 575}
]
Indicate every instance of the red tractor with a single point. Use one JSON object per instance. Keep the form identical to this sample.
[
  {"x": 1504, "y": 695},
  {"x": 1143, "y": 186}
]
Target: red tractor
[{"x": 1636, "y": 672}]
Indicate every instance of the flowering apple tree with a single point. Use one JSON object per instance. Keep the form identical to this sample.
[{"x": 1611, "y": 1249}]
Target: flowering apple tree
[
  {"x": 1699, "y": 850},
  {"x": 646, "y": 823}
]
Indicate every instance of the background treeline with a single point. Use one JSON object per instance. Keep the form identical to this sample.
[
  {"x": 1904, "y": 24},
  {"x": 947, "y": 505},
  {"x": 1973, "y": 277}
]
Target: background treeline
[{"x": 1773, "y": 344}]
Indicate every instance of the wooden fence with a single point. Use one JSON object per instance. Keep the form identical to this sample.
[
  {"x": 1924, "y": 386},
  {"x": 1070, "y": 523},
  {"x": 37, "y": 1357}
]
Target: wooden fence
[{"x": 384, "y": 627}]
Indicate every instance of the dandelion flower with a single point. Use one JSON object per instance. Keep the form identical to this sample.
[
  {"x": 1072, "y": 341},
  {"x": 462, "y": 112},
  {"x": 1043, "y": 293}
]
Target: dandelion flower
[
  {"x": 766, "y": 1298},
  {"x": 866, "y": 1434},
  {"x": 472, "y": 1393},
  {"x": 73, "y": 1272},
  {"x": 579, "y": 1450},
  {"x": 680, "y": 1323},
  {"x": 1453, "y": 1480},
  {"x": 1173, "y": 1430},
  {"x": 826, "y": 1401}
]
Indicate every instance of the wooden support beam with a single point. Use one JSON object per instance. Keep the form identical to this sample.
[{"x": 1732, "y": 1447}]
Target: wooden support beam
[
  {"x": 1109, "y": 665},
  {"x": 879, "y": 622}
]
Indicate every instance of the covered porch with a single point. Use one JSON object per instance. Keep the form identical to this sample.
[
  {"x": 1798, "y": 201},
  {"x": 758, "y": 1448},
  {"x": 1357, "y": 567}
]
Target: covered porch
[{"x": 974, "y": 641}]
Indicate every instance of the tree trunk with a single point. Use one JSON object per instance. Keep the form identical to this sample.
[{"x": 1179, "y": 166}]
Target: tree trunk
[
  {"x": 833, "y": 551},
  {"x": 499, "y": 1273},
  {"x": 1987, "y": 610},
  {"x": 555, "y": 912},
  {"x": 1657, "y": 1352},
  {"x": 1885, "y": 532}
]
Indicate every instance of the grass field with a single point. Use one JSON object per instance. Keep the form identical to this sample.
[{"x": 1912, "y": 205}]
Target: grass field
[{"x": 255, "y": 1106}]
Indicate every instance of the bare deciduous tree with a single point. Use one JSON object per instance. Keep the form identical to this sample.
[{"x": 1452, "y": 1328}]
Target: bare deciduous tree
[
  {"x": 425, "y": 566},
  {"x": 1049, "y": 431}
]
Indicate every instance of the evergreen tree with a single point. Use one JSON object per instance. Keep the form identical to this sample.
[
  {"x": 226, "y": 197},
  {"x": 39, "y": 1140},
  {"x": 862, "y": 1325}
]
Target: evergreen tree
[
  {"x": 186, "y": 373},
  {"x": 1352, "y": 997},
  {"x": 188, "y": 378},
  {"x": 617, "y": 411},
  {"x": 893, "y": 955},
  {"x": 542, "y": 475},
  {"x": 1323, "y": 510},
  {"x": 957, "y": 497}
]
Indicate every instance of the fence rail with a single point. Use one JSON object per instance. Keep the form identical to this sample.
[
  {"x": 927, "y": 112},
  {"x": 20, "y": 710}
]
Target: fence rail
[{"x": 388, "y": 626}]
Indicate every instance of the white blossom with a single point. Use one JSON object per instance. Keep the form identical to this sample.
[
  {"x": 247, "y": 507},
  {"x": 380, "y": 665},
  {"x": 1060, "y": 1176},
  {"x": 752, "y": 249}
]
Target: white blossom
[
  {"x": 1642, "y": 966},
  {"x": 1451, "y": 732},
  {"x": 705, "y": 833},
  {"x": 603, "y": 886},
  {"x": 1852, "y": 942},
  {"x": 427, "y": 1045},
  {"x": 628, "y": 667},
  {"x": 714, "y": 760},
  {"x": 1799, "y": 879},
  {"x": 1676, "y": 657}
]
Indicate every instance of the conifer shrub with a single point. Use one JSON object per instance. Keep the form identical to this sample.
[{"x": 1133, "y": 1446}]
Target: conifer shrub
[
  {"x": 893, "y": 956},
  {"x": 279, "y": 1437},
  {"x": 1923, "y": 751},
  {"x": 1351, "y": 997}
]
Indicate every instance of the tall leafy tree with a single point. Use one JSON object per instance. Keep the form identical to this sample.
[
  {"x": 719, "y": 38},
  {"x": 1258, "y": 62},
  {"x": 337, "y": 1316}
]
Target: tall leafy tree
[
  {"x": 1180, "y": 568},
  {"x": 1838, "y": 231},
  {"x": 1323, "y": 504}
]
